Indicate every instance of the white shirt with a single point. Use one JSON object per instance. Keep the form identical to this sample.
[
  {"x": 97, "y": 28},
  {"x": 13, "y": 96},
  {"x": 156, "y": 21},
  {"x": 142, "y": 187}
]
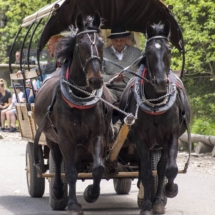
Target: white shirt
[
  {"x": 119, "y": 55},
  {"x": 14, "y": 101}
]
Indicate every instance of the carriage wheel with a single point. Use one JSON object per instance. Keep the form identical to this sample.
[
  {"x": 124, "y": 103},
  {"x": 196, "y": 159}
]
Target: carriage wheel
[
  {"x": 122, "y": 186},
  {"x": 36, "y": 186},
  {"x": 57, "y": 204},
  {"x": 155, "y": 157}
]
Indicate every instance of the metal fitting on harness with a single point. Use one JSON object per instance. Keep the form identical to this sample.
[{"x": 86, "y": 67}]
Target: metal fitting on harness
[{"x": 129, "y": 119}]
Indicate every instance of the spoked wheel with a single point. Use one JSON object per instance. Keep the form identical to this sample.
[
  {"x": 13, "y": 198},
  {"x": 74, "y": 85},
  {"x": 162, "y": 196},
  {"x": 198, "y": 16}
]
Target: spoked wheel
[
  {"x": 122, "y": 186},
  {"x": 155, "y": 157},
  {"x": 57, "y": 204},
  {"x": 36, "y": 186}
]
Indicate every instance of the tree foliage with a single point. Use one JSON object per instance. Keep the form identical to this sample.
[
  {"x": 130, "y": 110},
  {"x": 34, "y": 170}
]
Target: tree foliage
[
  {"x": 12, "y": 13},
  {"x": 196, "y": 18},
  {"x": 197, "y": 21}
]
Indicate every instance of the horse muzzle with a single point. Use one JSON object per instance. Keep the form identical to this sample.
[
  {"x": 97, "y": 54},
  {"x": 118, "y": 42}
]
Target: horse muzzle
[
  {"x": 161, "y": 86},
  {"x": 95, "y": 82}
]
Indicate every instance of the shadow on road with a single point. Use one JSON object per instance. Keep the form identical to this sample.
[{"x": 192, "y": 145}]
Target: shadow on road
[{"x": 106, "y": 205}]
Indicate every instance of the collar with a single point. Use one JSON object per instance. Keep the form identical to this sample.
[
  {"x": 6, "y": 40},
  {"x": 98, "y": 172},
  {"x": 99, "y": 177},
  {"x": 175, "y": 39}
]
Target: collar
[
  {"x": 71, "y": 99},
  {"x": 116, "y": 52},
  {"x": 151, "y": 108}
]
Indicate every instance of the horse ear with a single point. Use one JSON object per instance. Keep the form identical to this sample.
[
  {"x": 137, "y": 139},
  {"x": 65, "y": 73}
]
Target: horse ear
[
  {"x": 167, "y": 29},
  {"x": 80, "y": 21},
  {"x": 97, "y": 19},
  {"x": 149, "y": 29}
]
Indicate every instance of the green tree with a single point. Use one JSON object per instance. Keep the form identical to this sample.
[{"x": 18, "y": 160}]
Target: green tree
[
  {"x": 196, "y": 18},
  {"x": 12, "y": 13}
]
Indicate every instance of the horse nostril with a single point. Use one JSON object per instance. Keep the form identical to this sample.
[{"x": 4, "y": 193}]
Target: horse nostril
[{"x": 96, "y": 83}]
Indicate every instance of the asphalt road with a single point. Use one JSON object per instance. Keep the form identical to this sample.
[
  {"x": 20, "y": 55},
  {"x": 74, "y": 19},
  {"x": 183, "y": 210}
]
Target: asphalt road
[{"x": 196, "y": 191}]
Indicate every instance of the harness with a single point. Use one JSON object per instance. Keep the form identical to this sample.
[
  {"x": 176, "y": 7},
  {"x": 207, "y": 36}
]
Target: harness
[
  {"x": 147, "y": 105},
  {"x": 92, "y": 48},
  {"x": 71, "y": 99}
]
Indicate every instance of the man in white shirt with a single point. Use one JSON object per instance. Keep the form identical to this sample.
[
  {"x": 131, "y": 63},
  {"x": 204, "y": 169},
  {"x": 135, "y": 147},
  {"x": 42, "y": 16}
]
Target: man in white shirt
[{"x": 122, "y": 54}]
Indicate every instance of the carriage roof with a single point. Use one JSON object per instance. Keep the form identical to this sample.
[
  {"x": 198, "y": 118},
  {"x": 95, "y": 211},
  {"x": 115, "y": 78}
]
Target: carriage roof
[{"x": 133, "y": 15}]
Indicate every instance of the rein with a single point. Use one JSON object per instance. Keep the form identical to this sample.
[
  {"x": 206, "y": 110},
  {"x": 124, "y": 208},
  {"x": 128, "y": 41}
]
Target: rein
[{"x": 126, "y": 69}]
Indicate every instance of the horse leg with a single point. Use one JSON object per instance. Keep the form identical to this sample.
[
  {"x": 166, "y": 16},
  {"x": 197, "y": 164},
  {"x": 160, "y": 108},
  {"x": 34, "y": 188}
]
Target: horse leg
[
  {"x": 140, "y": 195},
  {"x": 92, "y": 192},
  {"x": 171, "y": 189},
  {"x": 158, "y": 204},
  {"x": 146, "y": 178},
  {"x": 71, "y": 178},
  {"x": 57, "y": 190}
]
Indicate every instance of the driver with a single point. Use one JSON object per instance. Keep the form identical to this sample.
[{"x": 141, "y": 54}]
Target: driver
[{"x": 122, "y": 54}]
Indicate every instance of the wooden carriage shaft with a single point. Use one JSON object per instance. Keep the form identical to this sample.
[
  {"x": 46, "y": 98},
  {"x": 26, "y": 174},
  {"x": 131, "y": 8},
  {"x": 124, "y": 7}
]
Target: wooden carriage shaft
[{"x": 110, "y": 176}]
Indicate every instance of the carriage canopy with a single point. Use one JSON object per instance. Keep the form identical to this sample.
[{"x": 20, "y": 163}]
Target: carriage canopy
[{"x": 133, "y": 15}]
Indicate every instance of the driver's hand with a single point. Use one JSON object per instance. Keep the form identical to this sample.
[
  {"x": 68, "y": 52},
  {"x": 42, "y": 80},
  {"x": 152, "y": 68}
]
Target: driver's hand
[{"x": 118, "y": 78}]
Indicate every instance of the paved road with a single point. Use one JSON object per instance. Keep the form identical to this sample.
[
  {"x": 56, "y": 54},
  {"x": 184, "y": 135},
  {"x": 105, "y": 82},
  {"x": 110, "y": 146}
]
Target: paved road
[{"x": 196, "y": 191}]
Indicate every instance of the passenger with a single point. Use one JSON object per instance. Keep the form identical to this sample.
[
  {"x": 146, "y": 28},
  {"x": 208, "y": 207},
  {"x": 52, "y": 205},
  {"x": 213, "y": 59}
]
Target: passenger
[
  {"x": 10, "y": 112},
  {"x": 28, "y": 93},
  {"x": 122, "y": 54},
  {"x": 5, "y": 97},
  {"x": 49, "y": 68}
]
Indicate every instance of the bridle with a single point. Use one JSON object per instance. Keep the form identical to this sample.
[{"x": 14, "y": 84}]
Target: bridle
[
  {"x": 152, "y": 80},
  {"x": 92, "y": 47}
]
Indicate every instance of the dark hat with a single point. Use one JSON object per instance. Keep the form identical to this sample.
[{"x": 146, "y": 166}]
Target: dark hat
[
  {"x": 118, "y": 32},
  {"x": 16, "y": 86}
]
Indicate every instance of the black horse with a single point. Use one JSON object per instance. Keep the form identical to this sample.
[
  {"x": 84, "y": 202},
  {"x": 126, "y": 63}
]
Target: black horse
[
  {"x": 76, "y": 123},
  {"x": 162, "y": 108}
]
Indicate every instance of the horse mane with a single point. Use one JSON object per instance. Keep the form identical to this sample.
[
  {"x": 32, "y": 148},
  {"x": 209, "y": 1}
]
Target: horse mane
[
  {"x": 67, "y": 44},
  {"x": 157, "y": 30}
]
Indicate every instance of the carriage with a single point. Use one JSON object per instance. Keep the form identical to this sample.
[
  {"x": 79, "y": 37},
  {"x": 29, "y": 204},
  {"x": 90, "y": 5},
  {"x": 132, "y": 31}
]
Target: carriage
[{"x": 121, "y": 164}]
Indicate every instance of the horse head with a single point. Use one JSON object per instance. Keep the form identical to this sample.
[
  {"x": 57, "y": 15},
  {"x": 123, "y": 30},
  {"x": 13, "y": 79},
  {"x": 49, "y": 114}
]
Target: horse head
[
  {"x": 89, "y": 49},
  {"x": 158, "y": 55}
]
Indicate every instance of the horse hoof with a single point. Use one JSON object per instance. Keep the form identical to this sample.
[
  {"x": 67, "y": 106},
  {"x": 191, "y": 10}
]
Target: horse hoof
[
  {"x": 75, "y": 209},
  {"x": 171, "y": 193},
  {"x": 58, "y": 194},
  {"x": 140, "y": 203},
  {"x": 158, "y": 208},
  {"x": 146, "y": 213},
  {"x": 89, "y": 196}
]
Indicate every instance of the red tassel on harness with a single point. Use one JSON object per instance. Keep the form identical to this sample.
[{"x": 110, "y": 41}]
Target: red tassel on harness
[
  {"x": 67, "y": 73},
  {"x": 143, "y": 75}
]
